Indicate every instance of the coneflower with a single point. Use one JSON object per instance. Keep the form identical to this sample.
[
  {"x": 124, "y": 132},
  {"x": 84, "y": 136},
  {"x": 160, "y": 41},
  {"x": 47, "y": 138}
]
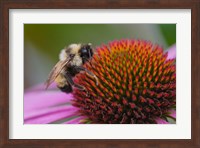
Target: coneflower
[{"x": 136, "y": 84}]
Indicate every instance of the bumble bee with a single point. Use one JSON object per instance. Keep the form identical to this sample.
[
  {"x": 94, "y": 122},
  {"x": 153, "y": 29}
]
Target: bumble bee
[{"x": 71, "y": 60}]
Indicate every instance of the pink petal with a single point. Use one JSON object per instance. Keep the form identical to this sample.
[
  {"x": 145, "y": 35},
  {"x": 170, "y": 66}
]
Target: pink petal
[
  {"x": 173, "y": 113},
  {"x": 47, "y": 106},
  {"x": 51, "y": 115},
  {"x": 43, "y": 99},
  {"x": 172, "y": 52}
]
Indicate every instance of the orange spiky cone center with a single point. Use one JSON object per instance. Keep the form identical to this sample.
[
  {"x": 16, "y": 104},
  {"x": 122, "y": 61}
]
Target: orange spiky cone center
[{"x": 136, "y": 84}]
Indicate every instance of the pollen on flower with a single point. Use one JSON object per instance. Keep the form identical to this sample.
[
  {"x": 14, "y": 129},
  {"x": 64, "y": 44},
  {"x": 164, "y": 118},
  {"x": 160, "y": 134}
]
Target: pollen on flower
[{"x": 137, "y": 84}]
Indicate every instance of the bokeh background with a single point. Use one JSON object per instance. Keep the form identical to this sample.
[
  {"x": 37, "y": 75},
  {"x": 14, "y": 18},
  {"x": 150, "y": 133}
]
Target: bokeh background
[{"x": 43, "y": 42}]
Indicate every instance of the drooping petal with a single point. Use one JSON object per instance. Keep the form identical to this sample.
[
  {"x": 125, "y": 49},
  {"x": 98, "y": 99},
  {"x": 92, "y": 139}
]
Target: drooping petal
[
  {"x": 41, "y": 107},
  {"x": 162, "y": 121},
  {"x": 51, "y": 115},
  {"x": 173, "y": 113}
]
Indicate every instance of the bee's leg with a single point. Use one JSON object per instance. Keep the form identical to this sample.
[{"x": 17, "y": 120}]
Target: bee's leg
[
  {"x": 71, "y": 82},
  {"x": 67, "y": 88},
  {"x": 79, "y": 68}
]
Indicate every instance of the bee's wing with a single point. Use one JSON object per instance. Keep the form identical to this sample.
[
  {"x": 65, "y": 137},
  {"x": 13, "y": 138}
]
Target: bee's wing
[{"x": 56, "y": 71}]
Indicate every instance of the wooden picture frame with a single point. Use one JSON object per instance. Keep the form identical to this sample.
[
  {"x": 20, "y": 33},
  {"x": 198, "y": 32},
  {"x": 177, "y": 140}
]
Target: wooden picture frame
[{"x": 6, "y": 5}]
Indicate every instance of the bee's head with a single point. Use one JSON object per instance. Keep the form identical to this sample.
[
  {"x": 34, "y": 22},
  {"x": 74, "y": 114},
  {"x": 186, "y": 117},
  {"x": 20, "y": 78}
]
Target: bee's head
[
  {"x": 78, "y": 53},
  {"x": 86, "y": 52}
]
